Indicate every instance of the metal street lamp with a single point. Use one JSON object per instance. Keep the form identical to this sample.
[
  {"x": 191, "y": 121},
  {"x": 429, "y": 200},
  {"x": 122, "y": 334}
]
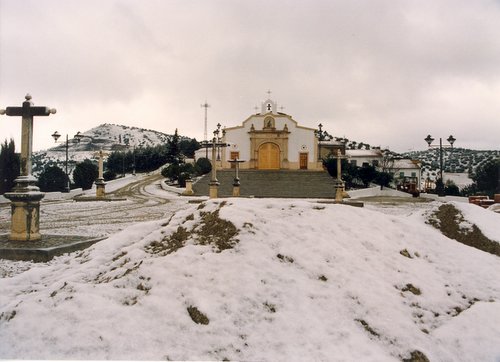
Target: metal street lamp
[
  {"x": 77, "y": 138},
  {"x": 321, "y": 136},
  {"x": 451, "y": 140}
]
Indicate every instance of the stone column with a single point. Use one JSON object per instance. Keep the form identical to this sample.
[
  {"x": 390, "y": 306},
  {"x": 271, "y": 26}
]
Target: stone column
[
  {"x": 189, "y": 188},
  {"x": 214, "y": 184},
  {"x": 100, "y": 185}
]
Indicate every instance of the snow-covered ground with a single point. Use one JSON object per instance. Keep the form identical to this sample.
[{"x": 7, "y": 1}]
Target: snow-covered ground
[{"x": 300, "y": 281}]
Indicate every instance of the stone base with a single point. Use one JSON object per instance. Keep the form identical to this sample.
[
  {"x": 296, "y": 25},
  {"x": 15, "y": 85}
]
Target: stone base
[
  {"x": 25, "y": 220},
  {"x": 96, "y": 198},
  {"x": 236, "y": 191},
  {"x": 100, "y": 191},
  {"x": 348, "y": 203},
  {"x": 213, "y": 190},
  {"x": 189, "y": 188},
  {"x": 44, "y": 249}
]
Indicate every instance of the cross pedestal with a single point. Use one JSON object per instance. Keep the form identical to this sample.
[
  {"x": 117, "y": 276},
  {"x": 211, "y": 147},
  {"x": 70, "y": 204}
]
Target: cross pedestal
[
  {"x": 236, "y": 182},
  {"x": 100, "y": 185},
  {"x": 189, "y": 188},
  {"x": 214, "y": 183},
  {"x": 338, "y": 184},
  {"x": 25, "y": 196}
]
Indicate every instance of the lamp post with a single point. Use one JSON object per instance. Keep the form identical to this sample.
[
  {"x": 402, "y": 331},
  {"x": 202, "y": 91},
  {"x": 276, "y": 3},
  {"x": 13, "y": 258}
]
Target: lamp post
[
  {"x": 320, "y": 135},
  {"x": 77, "y": 138},
  {"x": 451, "y": 140}
]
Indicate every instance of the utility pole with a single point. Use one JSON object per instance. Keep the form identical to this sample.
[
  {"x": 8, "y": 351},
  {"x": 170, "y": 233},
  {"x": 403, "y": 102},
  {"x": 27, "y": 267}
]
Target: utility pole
[{"x": 205, "y": 105}]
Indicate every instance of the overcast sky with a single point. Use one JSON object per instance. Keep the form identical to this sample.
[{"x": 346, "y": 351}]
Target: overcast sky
[{"x": 384, "y": 72}]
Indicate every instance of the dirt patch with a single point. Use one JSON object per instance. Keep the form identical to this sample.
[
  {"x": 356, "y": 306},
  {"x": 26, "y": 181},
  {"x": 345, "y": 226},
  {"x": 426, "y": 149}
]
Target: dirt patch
[
  {"x": 367, "y": 327},
  {"x": 416, "y": 356},
  {"x": 450, "y": 221},
  {"x": 412, "y": 289},
  {"x": 216, "y": 231},
  {"x": 171, "y": 243},
  {"x": 211, "y": 230},
  {"x": 197, "y": 316}
]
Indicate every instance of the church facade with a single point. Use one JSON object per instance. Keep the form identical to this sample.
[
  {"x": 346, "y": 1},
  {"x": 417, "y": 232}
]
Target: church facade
[{"x": 271, "y": 140}]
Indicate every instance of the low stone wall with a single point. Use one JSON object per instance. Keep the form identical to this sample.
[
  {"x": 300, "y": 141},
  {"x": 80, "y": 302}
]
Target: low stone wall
[
  {"x": 376, "y": 191},
  {"x": 177, "y": 190}
]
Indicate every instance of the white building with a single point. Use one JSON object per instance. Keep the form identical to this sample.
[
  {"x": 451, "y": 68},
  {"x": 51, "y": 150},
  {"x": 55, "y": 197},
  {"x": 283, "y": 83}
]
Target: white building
[
  {"x": 271, "y": 140},
  {"x": 407, "y": 172},
  {"x": 364, "y": 157}
]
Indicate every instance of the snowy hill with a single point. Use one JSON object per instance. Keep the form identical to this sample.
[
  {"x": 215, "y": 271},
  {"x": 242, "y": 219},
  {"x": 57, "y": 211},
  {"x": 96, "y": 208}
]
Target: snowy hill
[
  {"x": 460, "y": 160},
  {"x": 108, "y": 137},
  {"x": 267, "y": 280}
]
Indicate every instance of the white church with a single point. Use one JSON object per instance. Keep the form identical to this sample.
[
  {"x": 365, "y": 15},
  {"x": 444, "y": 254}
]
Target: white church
[{"x": 272, "y": 140}]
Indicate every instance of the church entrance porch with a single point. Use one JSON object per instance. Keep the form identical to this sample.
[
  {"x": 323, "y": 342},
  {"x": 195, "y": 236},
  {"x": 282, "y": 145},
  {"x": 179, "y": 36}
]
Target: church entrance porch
[{"x": 269, "y": 156}]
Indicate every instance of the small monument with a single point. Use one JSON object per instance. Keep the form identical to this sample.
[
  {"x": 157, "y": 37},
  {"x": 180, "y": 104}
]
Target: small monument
[
  {"x": 215, "y": 145},
  {"x": 236, "y": 182},
  {"x": 100, "y": 185},
  {"x": 25, "y": 196},
  {"x": 189, "y": 187},
  {"x": 338, "y": 183}
]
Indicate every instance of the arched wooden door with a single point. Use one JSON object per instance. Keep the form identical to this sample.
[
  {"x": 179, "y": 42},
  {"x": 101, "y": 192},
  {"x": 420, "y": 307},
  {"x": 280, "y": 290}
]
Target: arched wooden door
[{"x": 269, "y": 156}]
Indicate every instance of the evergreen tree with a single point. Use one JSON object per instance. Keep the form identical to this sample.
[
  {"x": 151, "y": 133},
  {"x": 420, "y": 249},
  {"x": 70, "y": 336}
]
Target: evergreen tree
[
  {"x": 188, "y": 147},
  {"x": 51, "y": 179},
  {"x": 367, "y": 174},
  {"x": 85, "y": 174},
  {"x": 487, "y": 177},
  {"x": 173, "y": 149},
  {"x": 383, "y": 179},
  {"x": 9, "y": 166}
]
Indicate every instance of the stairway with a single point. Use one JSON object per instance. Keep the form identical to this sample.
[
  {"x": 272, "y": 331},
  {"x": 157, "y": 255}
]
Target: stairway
[{"x": 271, "y": 183}]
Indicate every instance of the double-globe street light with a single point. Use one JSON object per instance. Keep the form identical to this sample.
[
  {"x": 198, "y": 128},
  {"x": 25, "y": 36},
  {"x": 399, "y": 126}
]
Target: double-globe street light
[
  {"x": 451, "y": 140},
  {"x": 77, "y": 138}
]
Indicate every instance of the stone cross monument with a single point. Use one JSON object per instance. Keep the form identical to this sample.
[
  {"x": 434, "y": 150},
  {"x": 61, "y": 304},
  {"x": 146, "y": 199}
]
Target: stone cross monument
[
  {"x": 25, "y": 197},
  {"x": 100, "y": 190},
  {"x": 338, "y": 183},
  {"x": 236, "y": 182}
]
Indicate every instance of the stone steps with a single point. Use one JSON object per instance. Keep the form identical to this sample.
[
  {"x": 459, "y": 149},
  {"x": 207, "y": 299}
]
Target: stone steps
[{"x": 272, "y": 183}]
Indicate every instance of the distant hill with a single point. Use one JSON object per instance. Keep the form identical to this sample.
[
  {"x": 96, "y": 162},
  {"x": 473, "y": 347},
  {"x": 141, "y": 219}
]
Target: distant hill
[
  {"x": 458, "y": 160},
  {"x": 108, "y": 137}
]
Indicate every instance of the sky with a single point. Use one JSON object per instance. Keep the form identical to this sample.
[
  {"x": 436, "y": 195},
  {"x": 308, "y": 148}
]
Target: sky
[{"x": 382, "y": 72}]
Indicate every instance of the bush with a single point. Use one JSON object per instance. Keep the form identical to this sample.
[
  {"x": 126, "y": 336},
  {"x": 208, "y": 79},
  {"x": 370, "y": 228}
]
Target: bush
[
  {"x": 204, "y": 165},
  {"x": 85, "y": 174},
  {"x": 383, "y": 179},
  {"x": 451, "y": 189},
  {"x": 52, "y": 179},
  {"x": 178, "y": 172},
  {"x": 367, "y": 174},
  {"x": 109, "y": 175}
]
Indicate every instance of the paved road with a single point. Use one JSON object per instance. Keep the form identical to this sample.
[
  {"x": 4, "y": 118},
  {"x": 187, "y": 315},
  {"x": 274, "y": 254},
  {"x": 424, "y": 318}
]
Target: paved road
[{"x": 145, "y": 201}]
